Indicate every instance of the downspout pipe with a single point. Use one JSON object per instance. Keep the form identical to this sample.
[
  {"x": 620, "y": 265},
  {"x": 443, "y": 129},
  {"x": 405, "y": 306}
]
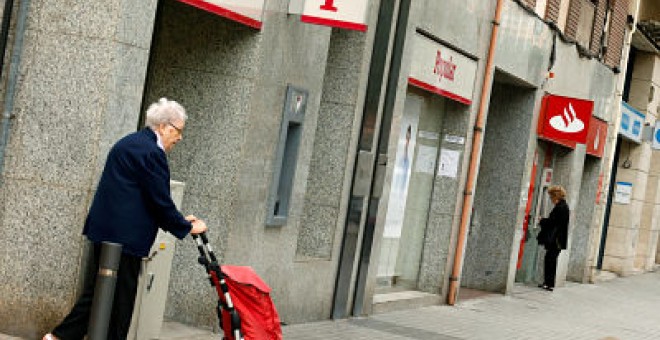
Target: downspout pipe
[
  {"x": 14, "y": 65},
  {"x": 477, "y": 143}
]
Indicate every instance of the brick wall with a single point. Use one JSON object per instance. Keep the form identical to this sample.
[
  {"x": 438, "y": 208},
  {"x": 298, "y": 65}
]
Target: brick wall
[
  {"x": 552, "y": 11},
  {"x": 598, "y": 26},
  {"x": 617, "y": 24},
  {"x": 529, "y": 3},
  {"x": 617, "y": 32},
  {"x": 573, "y": 18}
]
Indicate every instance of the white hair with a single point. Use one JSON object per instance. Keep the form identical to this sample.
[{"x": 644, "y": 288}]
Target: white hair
[{"x": 164, "y": 111}]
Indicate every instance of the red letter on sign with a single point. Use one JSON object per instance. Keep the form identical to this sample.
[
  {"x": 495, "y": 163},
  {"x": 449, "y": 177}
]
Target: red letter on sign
[{"x": 329, "y": 6}]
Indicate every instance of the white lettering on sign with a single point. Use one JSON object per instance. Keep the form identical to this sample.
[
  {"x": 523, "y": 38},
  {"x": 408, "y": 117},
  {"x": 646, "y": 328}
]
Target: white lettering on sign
[
  {"x": 442, "y": 70},
  {"x": 348, "y": 14}
]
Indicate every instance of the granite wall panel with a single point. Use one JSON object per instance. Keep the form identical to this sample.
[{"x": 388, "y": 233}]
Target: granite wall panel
[
  {"x": 496, "y": 207},
  {"x": 333, "y": 134},
  {"x": 78, "y": 91},
  {"x": 581, "y": 232}
]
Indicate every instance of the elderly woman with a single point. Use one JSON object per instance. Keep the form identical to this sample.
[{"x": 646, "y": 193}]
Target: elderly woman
[{"x": 554, "y": 235}]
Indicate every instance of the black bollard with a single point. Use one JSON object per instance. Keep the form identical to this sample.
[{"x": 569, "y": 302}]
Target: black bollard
[{"x": 104, "y": 291}]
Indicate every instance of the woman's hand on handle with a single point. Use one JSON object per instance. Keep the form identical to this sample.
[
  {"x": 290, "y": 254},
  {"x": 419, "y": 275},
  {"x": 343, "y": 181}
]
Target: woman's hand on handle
[{"x": 198, "y": 226}]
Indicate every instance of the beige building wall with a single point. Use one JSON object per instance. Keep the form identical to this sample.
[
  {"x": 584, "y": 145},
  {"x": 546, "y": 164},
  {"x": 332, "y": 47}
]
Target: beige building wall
[
  {"x": 632, "y": 235},
  {"x": 626, "y": 219},
  {"x": 647, "y": 80},
  {"x": 632, "y": 240}
]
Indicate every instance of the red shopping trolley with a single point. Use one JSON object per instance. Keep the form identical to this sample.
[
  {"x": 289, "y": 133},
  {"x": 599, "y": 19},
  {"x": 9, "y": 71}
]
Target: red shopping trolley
[{"x": 245, "y": 309}]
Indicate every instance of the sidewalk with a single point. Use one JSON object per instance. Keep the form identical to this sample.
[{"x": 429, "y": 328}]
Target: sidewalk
[{"x": 621, "y": 309}]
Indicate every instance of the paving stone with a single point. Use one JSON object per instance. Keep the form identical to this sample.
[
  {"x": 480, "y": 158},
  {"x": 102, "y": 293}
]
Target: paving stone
[{"x": 619, "y": 309}]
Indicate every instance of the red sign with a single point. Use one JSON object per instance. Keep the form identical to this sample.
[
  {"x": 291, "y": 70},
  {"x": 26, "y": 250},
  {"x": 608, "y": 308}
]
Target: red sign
[
  {"x": 565, "y": 120},
  {"x": 247, "y": 12},
  {"x": 348, "y": 14},
  {"x": 442, "y": 70},
  {"x": 596, "y": 137}
]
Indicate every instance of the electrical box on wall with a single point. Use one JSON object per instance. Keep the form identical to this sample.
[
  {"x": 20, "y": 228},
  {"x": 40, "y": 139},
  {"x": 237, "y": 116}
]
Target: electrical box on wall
[{"x": 154, "y": 281}]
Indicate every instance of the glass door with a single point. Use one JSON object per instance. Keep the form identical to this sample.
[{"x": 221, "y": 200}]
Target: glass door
[{"x": 410, "y": 193}]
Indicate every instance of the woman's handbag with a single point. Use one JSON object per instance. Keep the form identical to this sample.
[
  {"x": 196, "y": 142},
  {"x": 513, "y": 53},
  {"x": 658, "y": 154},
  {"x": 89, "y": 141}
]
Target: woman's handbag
[
  {"x": 548, "y": 236},
  {"x": 543, "y": 236}
]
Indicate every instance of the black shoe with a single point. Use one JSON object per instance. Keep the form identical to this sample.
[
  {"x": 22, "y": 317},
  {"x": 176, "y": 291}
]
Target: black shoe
[{"x": 546, "y": 287}]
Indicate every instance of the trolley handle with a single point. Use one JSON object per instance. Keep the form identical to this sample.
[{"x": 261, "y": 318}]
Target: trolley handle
[
  {"x": 204, "y": 245},
  {"x": 202, "y": 235}
]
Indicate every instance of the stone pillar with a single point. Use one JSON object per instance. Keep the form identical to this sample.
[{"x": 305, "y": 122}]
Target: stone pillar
[
  {"x": 649, "y": 228},
  {"x": 625, "y": 219},
  {"x": 646, "y": 77},
  {"x": 568, "y": 168},
  {"x": 80, "y": 88}
]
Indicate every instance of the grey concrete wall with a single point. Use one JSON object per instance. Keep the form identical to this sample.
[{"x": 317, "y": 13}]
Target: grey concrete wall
[
  {"x": 523, "y": 45},
  {"x": 79, "y": 90},
  {"x": 333, "y": 134},
  {"x": 325, "y": 202},
  {"x": 440, "y": 18},
  {"x": 232, "y": 80},
  {"x": 442, "y": 213},
  {"x": 581, "y": 237},
  {"x": 497, "y": 196}
]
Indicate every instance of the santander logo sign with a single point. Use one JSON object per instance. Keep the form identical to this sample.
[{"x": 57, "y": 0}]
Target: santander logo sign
[{"x": 565, "y": 120}]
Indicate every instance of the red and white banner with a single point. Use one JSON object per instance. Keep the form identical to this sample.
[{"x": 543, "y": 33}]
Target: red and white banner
[
  {"x": 348, "y": 14},
  {"x": 565, "y": 120},
  {"x": 442, "y": 70},
  {"x": 596, "y": 137},
  {"x": 247, "y": 12}
]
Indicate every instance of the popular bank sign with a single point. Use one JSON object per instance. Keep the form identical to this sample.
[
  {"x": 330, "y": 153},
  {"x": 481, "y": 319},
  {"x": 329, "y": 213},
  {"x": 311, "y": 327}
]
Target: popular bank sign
[{"x": 565, "y": 120}]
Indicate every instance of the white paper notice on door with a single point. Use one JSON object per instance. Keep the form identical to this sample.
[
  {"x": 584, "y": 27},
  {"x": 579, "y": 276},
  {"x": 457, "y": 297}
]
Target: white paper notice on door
[
  {"x": 448, "y": 166},
  {"x": 425, "y": 160}
]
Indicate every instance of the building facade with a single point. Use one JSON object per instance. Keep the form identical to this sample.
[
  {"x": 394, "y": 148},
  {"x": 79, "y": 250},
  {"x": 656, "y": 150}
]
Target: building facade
[
  {"x": 630, "y": 234},
  {"x": 334, "y": 161}
]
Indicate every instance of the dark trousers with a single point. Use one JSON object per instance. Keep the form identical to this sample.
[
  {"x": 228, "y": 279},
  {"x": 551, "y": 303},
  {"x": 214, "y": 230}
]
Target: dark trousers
[
  {"x": 550, "y": 266},
  {"x": 74, "y": 326}
]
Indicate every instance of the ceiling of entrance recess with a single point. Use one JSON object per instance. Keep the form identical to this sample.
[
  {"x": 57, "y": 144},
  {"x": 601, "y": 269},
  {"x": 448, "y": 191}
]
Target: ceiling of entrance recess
[{"x": 651, "y": 31}]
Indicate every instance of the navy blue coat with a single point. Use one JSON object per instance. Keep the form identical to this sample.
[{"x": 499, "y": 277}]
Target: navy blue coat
[{"x": 133, "y": 197}]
